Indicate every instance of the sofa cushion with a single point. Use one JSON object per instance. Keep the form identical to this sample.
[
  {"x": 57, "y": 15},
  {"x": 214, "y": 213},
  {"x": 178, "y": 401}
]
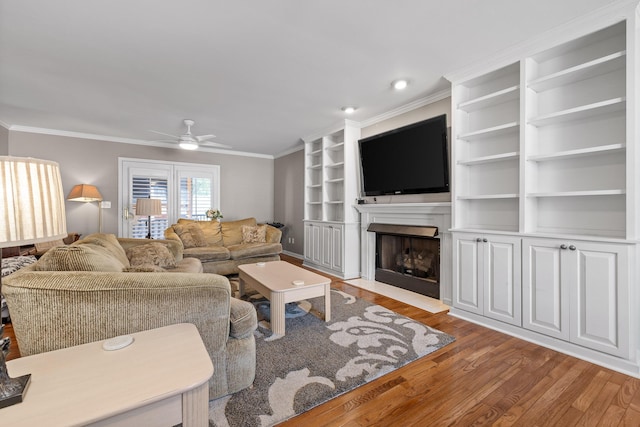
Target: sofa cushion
[
  {"x": 87, "y": 257},
  {"x": 242, "y": 319},
  {"x": 250, "y": 250},
  {"x": 107, "y": 241},
  {"x": 209, "y": 253},
  {"x": 257, "y": 234},
  {"x": 191, "y": 235},
  {"x": 151, "y": 253},
  {"x": 187, "y": 265},
  {"x": 232, "y": 230},
  {"x": 211, "y": 230}
]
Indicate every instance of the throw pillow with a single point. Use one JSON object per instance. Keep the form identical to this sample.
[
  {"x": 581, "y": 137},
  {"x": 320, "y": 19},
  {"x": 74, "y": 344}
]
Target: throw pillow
[
  {"x": 257, "y": 234},
  {"x": 155, "y": 254},
  {"x": 15, "y": 263},
  {"x": 107, "y": 241},
  {"x": 232, "y": 230},
  {"x": 85, "y": 257},
  {"x": 191, "y": 235}
]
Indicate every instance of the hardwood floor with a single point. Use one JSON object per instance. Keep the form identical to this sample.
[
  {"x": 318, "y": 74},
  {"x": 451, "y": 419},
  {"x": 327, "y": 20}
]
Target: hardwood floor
[{"x": 483, "y": 378}]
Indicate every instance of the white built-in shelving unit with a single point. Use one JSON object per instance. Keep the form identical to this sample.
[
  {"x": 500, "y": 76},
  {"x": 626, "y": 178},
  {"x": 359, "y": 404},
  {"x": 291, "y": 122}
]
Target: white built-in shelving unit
[
  {"x": 331, "y": 189},
  {"x": 545, "y": 209}
]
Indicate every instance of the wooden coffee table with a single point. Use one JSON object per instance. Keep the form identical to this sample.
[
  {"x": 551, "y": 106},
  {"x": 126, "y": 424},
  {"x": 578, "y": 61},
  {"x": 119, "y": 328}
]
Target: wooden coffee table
[{"x": 274, "y": 280}]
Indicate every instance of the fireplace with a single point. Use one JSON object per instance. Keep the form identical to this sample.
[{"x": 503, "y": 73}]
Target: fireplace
[{"x": 408, "y": 257}]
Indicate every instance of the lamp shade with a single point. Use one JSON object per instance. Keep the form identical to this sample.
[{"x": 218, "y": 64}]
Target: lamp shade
[
  {"x": 148, "y": 207},
  {"x": 84, "y": 193},
  {"x": 31, "y": 201}
]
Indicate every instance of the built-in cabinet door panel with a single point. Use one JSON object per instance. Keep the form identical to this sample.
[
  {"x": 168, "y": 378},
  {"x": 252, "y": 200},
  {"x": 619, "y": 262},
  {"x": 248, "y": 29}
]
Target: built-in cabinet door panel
[
  {"x": 601, "y": 315},
  {"x": 316, "y": 244},
  {"x": 578, "y": 291},
  {"x": 308, "y": 242},
  {"x": 502, "y": 287},
  {"x": 337, "y": 239},
  {"x": 545, "y": 300},
  {"x": 327, "y": 246},
  {"x": 467, "y": 274}
]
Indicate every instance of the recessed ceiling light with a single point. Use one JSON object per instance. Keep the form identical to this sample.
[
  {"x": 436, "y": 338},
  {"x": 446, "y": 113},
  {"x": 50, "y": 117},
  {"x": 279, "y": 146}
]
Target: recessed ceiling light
[
  {"x": 349, "y": 110},
  {"x": 399, "y": 84}
]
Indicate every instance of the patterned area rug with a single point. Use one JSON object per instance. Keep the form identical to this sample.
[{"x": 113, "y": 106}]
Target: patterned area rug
[{"x": 317, "y": 361}]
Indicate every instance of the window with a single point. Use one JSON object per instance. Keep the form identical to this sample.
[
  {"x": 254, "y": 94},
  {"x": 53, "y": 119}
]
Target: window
[{"x": 186, "y": 190}]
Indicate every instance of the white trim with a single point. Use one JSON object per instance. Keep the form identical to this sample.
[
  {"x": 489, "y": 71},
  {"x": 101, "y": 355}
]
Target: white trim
[
  {"x": 430, "y": 99},
  {"x": 70, "y": 134},
  {"x": 575, "y": 28},
  {"x": 289, "y": 151},
  {"x": 332, "y": 129},
  {"x": 4, "y": 125},
  {"x": 293, "y": 254}
]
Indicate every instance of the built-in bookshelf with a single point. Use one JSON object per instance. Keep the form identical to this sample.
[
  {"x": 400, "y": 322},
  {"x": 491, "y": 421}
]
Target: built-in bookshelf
[
  {"x": 487, "y": 150},
  {"x": 331, "y": 189},
  {"x": 575, "y": 168}
]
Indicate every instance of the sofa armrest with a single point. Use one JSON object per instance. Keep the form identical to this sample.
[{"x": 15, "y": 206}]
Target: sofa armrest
[
  {"x": 58, "y": 309},
  {"x": 273, "y": 234},
  {"x": 175, "y": 247}
]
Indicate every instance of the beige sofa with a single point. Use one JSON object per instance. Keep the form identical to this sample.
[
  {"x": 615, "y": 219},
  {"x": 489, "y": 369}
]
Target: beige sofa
[
  {"x": 223, "y": 246},
  {"x": 79, "y": 293}
]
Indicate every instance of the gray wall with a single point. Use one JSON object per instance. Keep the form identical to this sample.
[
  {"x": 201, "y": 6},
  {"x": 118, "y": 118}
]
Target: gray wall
[
  {"x": 246, "y": 182},
  {"x": 289, "y": 200},
  {"x": 4, "y": 141}
]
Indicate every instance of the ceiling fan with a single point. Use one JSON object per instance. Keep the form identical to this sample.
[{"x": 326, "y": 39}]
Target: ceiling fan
[{"x": 188, "y": 141}]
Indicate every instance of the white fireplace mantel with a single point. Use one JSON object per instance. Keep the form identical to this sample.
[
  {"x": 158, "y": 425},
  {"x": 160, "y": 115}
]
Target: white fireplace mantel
[{"x": 433, "y": 214}]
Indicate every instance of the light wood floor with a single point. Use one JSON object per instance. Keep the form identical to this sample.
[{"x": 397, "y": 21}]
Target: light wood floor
[{"x": 483, "y": 378}]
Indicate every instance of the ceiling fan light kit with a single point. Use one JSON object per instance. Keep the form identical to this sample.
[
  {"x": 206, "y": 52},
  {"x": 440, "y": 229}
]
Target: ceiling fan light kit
[{"x": 188, "y": 141}]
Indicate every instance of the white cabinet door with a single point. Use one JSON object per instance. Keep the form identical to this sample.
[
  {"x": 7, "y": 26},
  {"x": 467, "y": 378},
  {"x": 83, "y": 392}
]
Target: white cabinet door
[
  {"x": 502, "y": 284},
  {"x": 545, "y": 298},
  {"x": 337, "y": 255},
  {"x": 487, "y": 278},
  {"x": 327, "y": 246},
  {"x": 600, "y": 293},
  {"x": 312, "y": 243},
  {"x": 579, "y": 292},
  {"x": 467, "y": 274}
]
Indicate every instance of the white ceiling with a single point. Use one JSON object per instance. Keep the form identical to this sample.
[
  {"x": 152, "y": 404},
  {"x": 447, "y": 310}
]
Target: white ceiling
[{"x": 260, "y": 74}]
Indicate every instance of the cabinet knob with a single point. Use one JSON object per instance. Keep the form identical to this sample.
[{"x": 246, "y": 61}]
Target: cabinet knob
[
  {"x": 478, "y": 240},
  {"x": 485, "y": 240},
  {"x": 572, "y": 248},
  {"x": 563, "y": 246}
]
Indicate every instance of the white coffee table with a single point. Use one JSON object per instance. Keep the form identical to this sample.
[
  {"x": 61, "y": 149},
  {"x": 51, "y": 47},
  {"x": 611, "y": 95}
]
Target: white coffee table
[{"x": 274, "y": 281}]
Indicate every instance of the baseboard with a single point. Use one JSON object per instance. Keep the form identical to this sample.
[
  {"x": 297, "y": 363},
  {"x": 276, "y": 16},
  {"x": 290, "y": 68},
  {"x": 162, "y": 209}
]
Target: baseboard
[
  {"x": 293, "y": 254},
  {"x": 625, "y": 366}
]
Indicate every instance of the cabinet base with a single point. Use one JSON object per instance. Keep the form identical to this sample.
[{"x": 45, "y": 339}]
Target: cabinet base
[{"x": 625, "y": 366}]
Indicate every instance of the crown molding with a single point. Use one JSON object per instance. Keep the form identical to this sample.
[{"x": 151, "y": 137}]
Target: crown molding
[
  {"x": 438, "y": 96},
  {"x": 289, "y": 151},
  {"x": 597, "y": 19},
  {"x": 4, "y": 125},
  {"x": 70, "y": 134}
]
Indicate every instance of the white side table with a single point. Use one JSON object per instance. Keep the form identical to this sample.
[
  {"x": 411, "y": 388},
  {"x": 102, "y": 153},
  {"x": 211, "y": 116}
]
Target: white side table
[{"x": 161, "y": 379}]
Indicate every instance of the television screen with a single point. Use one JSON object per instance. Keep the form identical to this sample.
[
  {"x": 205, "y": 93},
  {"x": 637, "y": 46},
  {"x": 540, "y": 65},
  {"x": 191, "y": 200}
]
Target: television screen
[{"x": 408, "y": 160}]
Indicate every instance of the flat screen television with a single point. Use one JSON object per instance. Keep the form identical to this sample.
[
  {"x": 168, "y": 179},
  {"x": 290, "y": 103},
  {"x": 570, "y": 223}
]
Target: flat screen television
[{"x": 409, "y": 160}]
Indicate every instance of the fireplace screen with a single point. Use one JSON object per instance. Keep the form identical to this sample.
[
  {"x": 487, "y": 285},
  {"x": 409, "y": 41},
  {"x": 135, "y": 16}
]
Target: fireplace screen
[{"x": 409, "y": 262}]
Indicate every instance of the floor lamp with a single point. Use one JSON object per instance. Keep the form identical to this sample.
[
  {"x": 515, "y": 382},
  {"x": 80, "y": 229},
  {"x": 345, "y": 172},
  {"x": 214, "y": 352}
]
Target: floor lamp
[
  {"x": 87, "y": 193},
  {"x": 148, "y": 207},
  {"x": 31, "y": 211}
]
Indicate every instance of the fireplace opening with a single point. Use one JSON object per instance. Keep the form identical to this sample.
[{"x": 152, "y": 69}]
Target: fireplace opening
[{"x": 408, "y": 257}]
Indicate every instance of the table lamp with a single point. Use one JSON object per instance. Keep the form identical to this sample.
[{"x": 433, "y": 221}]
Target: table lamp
[
  {"x": 148, "y": 207},
  {"x": 31, "y": 211}
]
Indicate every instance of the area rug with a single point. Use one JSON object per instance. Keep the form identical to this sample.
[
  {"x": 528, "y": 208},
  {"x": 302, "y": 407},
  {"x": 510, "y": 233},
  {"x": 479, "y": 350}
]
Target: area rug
[{"x": 316, "y": 361}]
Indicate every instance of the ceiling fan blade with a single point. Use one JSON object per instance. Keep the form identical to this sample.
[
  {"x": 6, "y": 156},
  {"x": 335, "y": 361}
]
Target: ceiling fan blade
[
  {"x": 203, "y": 138},
  {"x": 165, "y": 134},
  {"x": 214, "y": 144}
]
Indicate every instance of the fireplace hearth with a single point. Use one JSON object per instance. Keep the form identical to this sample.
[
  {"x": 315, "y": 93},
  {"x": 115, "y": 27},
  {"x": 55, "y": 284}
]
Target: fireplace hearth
[{"x": 408, "y": 257}]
